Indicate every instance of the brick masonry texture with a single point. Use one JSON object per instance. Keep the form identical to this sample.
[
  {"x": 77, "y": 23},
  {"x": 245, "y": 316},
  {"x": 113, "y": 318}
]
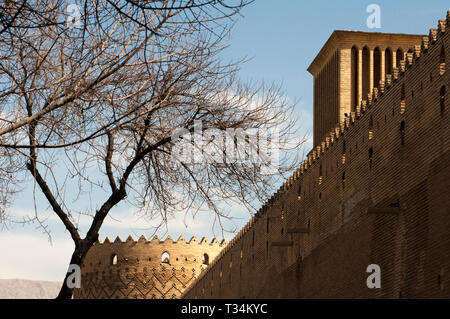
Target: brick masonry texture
[
  {"x": 139, "y": 271},
  {"x": 375, "y": 191}
]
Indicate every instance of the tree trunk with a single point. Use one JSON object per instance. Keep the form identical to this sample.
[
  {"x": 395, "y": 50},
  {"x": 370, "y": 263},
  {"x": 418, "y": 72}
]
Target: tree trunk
[{"x": 77, "y": 258}]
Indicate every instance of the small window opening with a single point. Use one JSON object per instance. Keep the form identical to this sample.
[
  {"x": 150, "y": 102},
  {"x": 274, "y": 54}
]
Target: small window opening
[
  {"x": 402, "y": 132},
  {"x": 165, "y": 258},
  {"x": 370, "y": 157},
  {"x": 205, "y": 259},
  {"x": 442, "y": 99}
]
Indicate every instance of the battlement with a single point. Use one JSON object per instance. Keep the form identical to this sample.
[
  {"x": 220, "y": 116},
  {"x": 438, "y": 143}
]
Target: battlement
[{"x": 155, "y": 240}]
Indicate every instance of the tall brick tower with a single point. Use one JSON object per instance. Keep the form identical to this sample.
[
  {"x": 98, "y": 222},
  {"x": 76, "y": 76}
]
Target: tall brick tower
[{"x": 348, "y": 67}]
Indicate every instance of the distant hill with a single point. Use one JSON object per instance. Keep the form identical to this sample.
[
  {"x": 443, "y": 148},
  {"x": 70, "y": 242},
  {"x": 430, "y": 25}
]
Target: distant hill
[{"x": 28, "y": 289}]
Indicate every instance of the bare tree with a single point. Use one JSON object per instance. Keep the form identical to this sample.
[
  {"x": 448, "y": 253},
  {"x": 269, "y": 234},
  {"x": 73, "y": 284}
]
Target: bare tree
[{"x": 108, "y": 99}]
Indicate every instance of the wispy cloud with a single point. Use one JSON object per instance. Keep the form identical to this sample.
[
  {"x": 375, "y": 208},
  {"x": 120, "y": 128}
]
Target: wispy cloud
[{"x": 32, "y": 257}]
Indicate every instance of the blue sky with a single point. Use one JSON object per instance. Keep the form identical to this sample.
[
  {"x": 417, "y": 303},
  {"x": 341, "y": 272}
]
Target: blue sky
[{"x": 281, "y": 39}]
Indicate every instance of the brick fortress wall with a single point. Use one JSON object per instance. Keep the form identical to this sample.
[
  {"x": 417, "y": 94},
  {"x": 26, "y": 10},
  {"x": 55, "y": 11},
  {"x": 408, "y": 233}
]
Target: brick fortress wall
[
  {"x": 376, "y": 190},
  {"x": 139, "y": 269}
]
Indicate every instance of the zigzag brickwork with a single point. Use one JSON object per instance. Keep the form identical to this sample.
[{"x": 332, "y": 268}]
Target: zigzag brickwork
[
  {"x": 374, "y": 191},
  {"x": 138, "y": 269}
]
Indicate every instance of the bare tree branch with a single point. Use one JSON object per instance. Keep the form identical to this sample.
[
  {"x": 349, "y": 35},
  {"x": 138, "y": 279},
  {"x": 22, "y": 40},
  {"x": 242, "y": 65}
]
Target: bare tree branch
[{"x": 99, "y": 105}]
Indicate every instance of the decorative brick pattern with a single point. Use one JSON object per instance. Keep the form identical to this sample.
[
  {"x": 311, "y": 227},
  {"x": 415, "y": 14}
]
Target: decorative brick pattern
[{"x": 135, "y": 269}]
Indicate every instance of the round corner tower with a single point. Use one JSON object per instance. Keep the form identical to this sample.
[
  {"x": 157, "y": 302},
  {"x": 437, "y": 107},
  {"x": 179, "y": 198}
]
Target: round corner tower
[{"x": 144, "y": 269}]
